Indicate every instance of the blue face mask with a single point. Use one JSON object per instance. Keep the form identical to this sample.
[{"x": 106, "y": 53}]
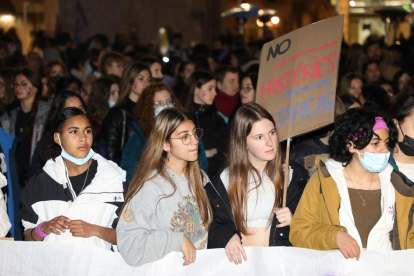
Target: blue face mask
[
  {"x": 111, "y": 104},
  {"x": 374, "y": 162},
  {"x": 89, "y": 70},
  {"x": 161, "y": 108},
  {"x": 74, "y": 160}
]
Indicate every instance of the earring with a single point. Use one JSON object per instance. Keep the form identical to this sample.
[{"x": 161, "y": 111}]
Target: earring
[{"x": 168, "y": 156}]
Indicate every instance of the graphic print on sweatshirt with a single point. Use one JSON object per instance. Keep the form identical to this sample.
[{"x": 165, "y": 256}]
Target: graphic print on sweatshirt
[{"x": 187, "y": 219}]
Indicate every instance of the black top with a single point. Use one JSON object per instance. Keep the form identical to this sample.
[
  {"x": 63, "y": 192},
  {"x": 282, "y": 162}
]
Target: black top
[
  {"x": 129, "y": 106},
  {"x": 308, "y": 147},
  {"x": 215, "y": 135},
  {"x": 78, "y": 180},
  {"x": 24, "y": 133}
]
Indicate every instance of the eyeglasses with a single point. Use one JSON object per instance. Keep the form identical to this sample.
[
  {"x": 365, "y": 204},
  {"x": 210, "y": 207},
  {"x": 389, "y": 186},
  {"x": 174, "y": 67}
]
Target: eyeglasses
[
  {"x": 160, "y": 103},
  {"x": 22, "y": 85},
  {"x": 186, "y": 138},
  {"x": 246, "y": 89}
]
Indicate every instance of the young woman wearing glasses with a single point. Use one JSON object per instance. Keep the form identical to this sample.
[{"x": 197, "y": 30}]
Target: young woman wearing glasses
[
  {"x": 154, "y": 99},
  {"x": 166, "y": 208}
]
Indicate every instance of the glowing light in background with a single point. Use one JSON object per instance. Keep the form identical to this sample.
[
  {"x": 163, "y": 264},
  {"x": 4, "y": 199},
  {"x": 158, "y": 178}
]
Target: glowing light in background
[
  {"x": 352, "y": 3},
  {"x": 245, "y": 6},
  {"x": 259, "y": 23},
  {"x": 165, "y": 59},
  {"x": 275, "y": 20},
  {"x": 6, "y": 18}
]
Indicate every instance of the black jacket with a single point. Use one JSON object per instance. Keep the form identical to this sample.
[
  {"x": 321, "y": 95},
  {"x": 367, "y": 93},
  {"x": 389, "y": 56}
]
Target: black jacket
[
  {"x": 223, "y": 227},
  {"x": 112, "y": 128},
  {"x": 215, "y": 134}
]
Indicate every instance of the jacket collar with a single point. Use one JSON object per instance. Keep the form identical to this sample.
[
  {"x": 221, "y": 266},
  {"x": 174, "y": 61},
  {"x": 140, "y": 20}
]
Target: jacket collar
[
  {"x": 107, "y": 175},
  {"x": 400, "y": 181}
]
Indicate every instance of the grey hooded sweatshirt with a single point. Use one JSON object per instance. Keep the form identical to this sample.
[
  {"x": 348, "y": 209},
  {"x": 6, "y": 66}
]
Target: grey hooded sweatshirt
[{"x": 151, "y": 225}]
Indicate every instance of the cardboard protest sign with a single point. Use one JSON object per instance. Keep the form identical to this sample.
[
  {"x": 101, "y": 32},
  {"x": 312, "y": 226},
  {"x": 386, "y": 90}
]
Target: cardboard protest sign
[{"x": 298, "y": 76}]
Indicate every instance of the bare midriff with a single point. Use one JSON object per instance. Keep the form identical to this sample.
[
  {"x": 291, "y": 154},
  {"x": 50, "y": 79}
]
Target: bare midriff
[{"x": 259, "y": 237}]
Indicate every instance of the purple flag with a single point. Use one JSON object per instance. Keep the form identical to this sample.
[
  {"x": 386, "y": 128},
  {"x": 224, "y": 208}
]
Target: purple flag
[{"x": 81, "y": 21}]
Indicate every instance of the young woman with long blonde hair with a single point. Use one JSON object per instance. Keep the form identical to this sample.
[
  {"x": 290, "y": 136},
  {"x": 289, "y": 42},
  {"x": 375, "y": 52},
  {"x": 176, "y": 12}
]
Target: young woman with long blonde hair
[{"x": 166, "y": 208}]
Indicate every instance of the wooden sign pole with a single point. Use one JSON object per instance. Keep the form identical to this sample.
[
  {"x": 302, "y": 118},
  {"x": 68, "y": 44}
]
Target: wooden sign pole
[{"x": 285, "y": 186}]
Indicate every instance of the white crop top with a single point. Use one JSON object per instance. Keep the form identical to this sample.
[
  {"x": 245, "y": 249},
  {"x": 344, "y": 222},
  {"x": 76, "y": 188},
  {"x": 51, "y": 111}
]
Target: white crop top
[{"x": 260, "y": 201}]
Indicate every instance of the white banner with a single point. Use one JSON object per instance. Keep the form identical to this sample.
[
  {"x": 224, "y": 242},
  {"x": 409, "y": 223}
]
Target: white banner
[{"x": 37, "y": 258}]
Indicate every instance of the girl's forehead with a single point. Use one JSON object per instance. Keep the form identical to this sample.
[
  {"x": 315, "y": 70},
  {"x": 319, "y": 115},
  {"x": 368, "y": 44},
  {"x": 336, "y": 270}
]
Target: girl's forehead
[
  {"x": 77, "y": 121},
  {"x": 382, "y": 133}
]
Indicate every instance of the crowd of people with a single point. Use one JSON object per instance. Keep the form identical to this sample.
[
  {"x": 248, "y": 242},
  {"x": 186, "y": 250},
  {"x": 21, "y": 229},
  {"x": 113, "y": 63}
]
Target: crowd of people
[{"x": 114, "y": 146}]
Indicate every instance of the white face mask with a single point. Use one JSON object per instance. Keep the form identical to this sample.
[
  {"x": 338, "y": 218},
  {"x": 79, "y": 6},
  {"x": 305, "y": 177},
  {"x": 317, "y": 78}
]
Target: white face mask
[
  {"x": 75, "y": 160},
  {"x": 374, "y": 162},
  {"x": 161, "y": 108}
]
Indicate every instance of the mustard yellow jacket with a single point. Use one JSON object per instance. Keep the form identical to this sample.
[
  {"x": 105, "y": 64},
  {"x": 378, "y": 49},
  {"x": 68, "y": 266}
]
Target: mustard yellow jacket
[{"x": 316, "y": 221}]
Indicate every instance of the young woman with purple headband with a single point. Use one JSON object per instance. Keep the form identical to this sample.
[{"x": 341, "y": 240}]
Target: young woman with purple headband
[{"x": 350, "y": 202}]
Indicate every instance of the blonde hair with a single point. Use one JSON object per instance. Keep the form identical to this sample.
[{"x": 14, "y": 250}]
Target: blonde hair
[
  {"x": 154, "y": 158},
  {"x": 240, "y": 166}
]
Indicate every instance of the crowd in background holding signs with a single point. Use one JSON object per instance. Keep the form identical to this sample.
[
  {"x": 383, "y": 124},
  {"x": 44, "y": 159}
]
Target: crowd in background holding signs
[{"x": 111, "y": 146}]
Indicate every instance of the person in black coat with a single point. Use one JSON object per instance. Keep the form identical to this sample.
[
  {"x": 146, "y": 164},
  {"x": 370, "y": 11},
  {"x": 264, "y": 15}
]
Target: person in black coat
[
  {"x": 246, "y": 197},
  {"x": 117, "y": 125},
  {"x": 198, "y": 100}
]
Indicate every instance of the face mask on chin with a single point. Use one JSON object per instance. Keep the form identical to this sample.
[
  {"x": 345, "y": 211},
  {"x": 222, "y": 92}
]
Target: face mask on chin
[{"x": 75, "y": 160}]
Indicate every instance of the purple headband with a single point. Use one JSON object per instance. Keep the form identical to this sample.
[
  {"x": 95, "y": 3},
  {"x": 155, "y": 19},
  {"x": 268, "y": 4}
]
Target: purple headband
[{"x": 379, "y": 124}]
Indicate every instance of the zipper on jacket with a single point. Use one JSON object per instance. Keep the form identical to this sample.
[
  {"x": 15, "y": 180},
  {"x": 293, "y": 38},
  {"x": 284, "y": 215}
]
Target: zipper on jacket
[
  {"x": 69, "y": 184},
  {"x": 231, "y": 214}
]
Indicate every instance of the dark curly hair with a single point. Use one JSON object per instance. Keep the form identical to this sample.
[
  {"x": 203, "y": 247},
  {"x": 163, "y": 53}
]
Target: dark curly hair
[
  {"x": 355, "y": 126},
  {"x": 144, "y": 112}
]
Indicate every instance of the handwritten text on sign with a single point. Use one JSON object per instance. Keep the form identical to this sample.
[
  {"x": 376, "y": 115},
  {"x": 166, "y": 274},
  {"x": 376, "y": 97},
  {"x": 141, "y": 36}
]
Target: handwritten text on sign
[{"x": 298, "y": 76}]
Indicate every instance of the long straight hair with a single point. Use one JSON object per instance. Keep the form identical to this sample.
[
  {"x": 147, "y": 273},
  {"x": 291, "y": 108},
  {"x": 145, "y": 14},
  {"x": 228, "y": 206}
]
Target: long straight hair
[
  {"x": 240, "y": 166},
  {"x": 154, "y": 158},
  {"x": 128, "y": 80},
  {"x": 196, "y": 80}
]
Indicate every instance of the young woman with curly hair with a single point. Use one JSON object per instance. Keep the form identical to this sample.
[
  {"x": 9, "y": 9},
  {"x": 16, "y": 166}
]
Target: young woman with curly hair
[
  {"x": 154, "y": 99},
  {"x": 350, "y": 202}
]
